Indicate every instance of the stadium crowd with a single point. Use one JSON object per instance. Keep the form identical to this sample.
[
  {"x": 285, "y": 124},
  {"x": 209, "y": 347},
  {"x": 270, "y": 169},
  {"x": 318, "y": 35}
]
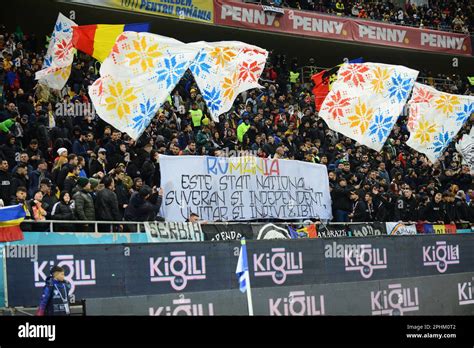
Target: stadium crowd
[
  {"x": 457, "y": 16},
  {"x": 61, "y": 162}
]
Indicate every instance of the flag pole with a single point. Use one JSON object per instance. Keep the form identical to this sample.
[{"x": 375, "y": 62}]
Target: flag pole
[{"x": 247, "y": 280}]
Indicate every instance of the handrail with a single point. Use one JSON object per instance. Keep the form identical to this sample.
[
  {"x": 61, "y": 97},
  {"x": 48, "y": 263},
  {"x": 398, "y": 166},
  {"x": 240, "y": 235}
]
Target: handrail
[{"x": 139, "y": 229}]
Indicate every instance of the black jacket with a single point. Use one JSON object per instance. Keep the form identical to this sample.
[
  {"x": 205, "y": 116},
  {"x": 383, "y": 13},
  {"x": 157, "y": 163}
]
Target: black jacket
[
  {"x": 405, "y": 209},
  {"x": 341, "y": 199},
  {"x": 434, "y": 212},
  {"x": 63, "y": 211},
  {"x": 107, "y": 206},
  {"x": 6, "y": 191},
  {"x": 84, "y": 206},
  {"x": 140, "y": 209},
  {"x": 359, "y": 211}
]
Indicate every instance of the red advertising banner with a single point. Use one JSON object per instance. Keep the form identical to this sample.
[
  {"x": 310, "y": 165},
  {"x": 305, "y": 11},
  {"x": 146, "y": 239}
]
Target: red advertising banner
[{"x": 251, "y": 16}]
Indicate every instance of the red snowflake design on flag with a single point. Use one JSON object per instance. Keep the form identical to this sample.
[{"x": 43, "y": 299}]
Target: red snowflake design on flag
[
  {"x": 248, "y": 71},
  {"x": 355, "y": 73},
  {"x": 422, "y": 95},
  {"x": 336, "y": 105},
  {"x": 247, "y": 50},
  {"x": 63, "y": 49}
]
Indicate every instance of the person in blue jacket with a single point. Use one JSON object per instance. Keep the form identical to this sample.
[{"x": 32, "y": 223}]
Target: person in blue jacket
[{"x": 55, "y": 298}]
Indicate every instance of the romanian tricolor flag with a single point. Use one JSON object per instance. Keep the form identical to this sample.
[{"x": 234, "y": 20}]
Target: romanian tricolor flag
[
  {"x": 10, "y": 220},
  {"x": 97, "y": 40}
]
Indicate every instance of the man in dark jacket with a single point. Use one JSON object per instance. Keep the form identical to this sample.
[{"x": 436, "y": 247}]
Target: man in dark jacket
[
  {"x": 405, "y": 206},
  {"x": 55, "y": 297},
  {"x": 341, "y": 201},
  {"x": 144, "y": 205},
  {"x": 107, "y": 204},
  {"x": 84, "y": 204},
  {"x": 20, "y": 177},
  {"x": 6, "y": 191},
  {"x": 359, "y": 208},
  {"x": 72, "y": 161},
  {"x": 434, "y": 211}
]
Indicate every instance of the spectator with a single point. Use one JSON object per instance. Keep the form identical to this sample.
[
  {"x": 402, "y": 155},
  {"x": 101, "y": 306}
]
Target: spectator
[
  {"x": 359, "y": 208},
  {"x": 144, "y": 205},
  {"x": 84, "y": 204},
  {"x": 107, "y": 206}
]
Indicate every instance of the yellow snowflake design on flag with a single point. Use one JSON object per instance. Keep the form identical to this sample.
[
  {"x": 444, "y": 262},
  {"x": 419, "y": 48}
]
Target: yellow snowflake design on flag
[
  {"x": 119, "y": 99},
  {"x": 380, "y": 78},
  {"x": 424, "y": 131},
  {"x": 446, "y": 103},
  {"x": 230, "y": 86},
  {"x": 63, "y": 72},
  {"x": 362, "y": 118},
  {"x": 143, "y": 55},
  {"x": 222, "y": 55}
]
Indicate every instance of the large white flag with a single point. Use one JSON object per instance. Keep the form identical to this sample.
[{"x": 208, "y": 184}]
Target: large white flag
[
  {"x": 366, "y": 100},
  {"x": 143, "y": 68},
  {"x": 59, "y": 56},
  {"x": 435, "y": 119},
  {"x": 465, "y": 147},
  {"x": 224, "y": 69},
  {"x": 137, "y": 77}
]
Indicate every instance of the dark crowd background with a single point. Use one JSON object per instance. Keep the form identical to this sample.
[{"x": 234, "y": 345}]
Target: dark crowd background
[
  {"x": 61, "y": 162},
  {"x": 446, "y": 15}
]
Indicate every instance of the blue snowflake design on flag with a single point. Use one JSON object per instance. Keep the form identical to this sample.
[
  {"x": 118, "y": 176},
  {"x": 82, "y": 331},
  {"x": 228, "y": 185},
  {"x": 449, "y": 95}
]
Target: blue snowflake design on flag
[
  {"x": 147, "y": 112},
  {"x": 441, "y": 141},
  {"x": 462, "y": 116},
  {"x": 400, "y": 88},
  {"x": 62, "y": 27},
  {"x": 212, "y": 98},
  {"x": 199, "y": 65},
  {"x": 171, "y": 72},
  {"x": 381, "y": 127},
  {"x": 48, "y": 60}
]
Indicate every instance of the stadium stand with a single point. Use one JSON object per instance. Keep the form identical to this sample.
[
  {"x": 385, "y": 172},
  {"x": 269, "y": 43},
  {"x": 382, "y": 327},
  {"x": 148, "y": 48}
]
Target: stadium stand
[{"x": 59, "y": 167}]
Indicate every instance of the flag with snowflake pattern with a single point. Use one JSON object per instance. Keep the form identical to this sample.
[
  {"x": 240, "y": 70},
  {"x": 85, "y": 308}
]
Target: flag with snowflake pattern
[
  {"x": 59, "y": 56},
  {"x": 366, "y": 100},
  {"x": 137, "y": 77},
  {"x": 435, "y": 119},
  {"x": 223, "y": 70}
]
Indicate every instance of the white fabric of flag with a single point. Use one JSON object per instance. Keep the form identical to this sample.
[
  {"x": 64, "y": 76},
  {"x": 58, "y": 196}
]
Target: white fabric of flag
[
  {"x": 435, "y": 119},
  {"x": 465, "y": 147},
  {"x": 223, "y": 70},
  {"x": 137, "y": 77},
  {"x": 366, "y": 100},
  {"x": 59, "y": 56}
]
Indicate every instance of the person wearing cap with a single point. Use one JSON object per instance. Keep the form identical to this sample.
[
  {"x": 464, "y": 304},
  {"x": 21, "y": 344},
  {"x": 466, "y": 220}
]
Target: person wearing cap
[
  {"x": 55, "y": 297},
  {"x": 359, "y": 208},
  {"x": 98, "y": 164},
  {"x": 196, "y": 116},
  {"x": 62, "y": 152},
  {"x": 49, "y": 198},
  {"x": 84, "y": 204}
]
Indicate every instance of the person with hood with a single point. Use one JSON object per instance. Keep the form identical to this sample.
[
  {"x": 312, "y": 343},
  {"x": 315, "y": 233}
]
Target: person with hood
[
  {"x": 63, "y": 210},
  {"x": 55, "y": 297},
  {"x": 144, "y": 205},
  {"x": 461, "y": 207},
  {"x": 84, "y": 204}
]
